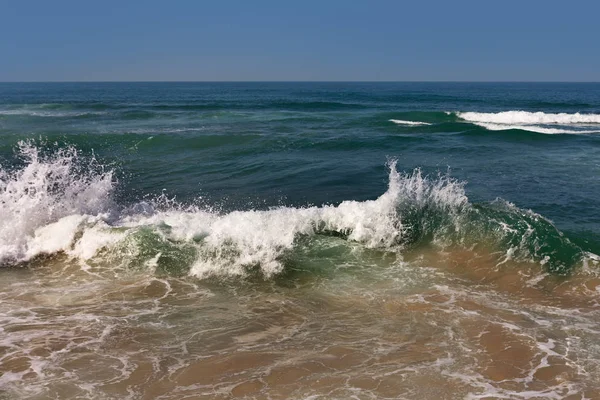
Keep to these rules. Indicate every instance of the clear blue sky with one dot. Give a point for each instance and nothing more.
(299, 40)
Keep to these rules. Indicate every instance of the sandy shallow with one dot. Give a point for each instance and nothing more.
(428, 326)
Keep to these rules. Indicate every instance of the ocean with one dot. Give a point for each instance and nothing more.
(299, 240)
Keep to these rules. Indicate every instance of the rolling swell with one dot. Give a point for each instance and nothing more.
(63, 204)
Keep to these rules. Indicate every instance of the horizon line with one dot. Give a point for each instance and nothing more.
(295, 81)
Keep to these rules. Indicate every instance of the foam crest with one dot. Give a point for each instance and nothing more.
(46, 189)
(402, 122)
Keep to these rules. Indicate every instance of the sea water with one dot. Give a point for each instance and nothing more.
(299, 240)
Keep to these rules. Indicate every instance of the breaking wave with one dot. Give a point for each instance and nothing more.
(61, 203)
(540, 122)
(524, 117)
(46, 189)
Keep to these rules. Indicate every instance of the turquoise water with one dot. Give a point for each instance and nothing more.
(297, 191)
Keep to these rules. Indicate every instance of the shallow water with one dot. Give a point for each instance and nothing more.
(376, 327)
(301, 241)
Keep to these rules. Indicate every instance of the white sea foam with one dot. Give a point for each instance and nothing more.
(402, 122)
(535, 121)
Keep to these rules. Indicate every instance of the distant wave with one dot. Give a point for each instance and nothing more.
(525, 117)
(402, 122)
(534, 128)
(549, 123)
(51, 113)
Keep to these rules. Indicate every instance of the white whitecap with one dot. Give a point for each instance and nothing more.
(402, 122)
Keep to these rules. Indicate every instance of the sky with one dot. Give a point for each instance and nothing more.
(302, 40)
